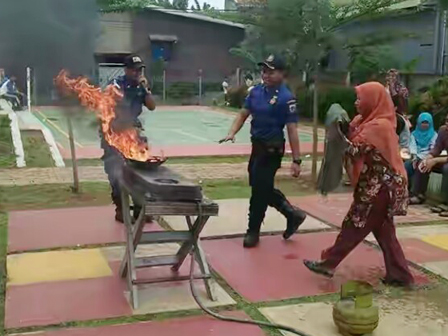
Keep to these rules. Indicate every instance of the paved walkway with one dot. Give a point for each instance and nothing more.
(209, 171)
(87, 277)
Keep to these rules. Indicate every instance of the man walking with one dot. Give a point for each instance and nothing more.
(272, 106)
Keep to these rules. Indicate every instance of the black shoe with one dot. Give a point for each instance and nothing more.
(316, 267)
(251, 240)
(119, 215)
(416, 200)
(293, 223)
(397, 283)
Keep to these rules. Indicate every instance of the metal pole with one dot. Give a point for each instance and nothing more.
(200, 87)
(164, 85)
(442, 52)
(315, 128)
(28, 88)
(73, 153)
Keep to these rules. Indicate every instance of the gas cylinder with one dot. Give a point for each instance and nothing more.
(355, 313)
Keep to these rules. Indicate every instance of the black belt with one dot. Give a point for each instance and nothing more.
(261, 147)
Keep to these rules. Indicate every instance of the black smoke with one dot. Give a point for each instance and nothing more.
(47, 35)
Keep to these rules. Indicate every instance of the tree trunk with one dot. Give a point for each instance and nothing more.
(73, 153)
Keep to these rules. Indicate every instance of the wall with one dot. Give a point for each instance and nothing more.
(201, 45)
(115, 34)
(420, 25)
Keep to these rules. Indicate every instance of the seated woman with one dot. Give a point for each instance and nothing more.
(380, 193)
(423, 140)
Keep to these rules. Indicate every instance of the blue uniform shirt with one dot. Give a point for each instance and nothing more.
(134, 98)
(271, 109)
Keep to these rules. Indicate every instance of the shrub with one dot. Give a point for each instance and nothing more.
(182, 90)
(236, 96)
(345, 96)
(434, 101)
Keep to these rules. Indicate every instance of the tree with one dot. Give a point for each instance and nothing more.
(305, 30)
(180, 4)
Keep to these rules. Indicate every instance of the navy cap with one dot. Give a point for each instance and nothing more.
(273, 62)
(134, 62)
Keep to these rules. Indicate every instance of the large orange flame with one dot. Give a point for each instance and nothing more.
(128, 141)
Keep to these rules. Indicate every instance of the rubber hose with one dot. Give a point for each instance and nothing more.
(233, 319)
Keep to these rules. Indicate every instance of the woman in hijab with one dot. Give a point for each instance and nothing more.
(423, 140)
(379, 178)
(398, 92)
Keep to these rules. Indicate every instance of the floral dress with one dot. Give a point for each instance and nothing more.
(376, 174)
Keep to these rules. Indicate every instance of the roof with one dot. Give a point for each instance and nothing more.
(195, 16)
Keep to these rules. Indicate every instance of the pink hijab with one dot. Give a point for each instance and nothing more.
(376, 126)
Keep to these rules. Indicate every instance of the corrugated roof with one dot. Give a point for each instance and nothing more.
(195, 16)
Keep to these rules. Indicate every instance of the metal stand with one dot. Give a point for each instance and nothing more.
(188, 239)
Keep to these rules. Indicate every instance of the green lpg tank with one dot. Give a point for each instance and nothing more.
(355, 313)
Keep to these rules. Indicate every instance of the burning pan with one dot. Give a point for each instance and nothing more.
(148, 164)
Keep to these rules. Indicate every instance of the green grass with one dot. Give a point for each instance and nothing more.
(37, 153)
(52, 196)
(7, 156)
(225, 189)
(184, 160)
(98, 193)
(3, 245)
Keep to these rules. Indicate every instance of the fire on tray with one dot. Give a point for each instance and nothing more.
(128, 141)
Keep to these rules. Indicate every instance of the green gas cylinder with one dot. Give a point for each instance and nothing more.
(355, 313)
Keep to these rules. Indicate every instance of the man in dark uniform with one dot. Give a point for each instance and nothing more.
(272, 106)
(136, 94)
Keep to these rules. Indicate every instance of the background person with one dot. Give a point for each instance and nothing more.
(272, 106)
(9, 92)
(423, 140)
(435, 162)
(136, 95)
(380, 184)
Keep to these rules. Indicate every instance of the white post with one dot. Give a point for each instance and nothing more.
(164, 85)
(238, 77)
(200, 86)
(28, 88)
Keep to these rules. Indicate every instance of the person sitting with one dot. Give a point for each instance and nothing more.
(423, 140)
(437, 163)
(9, 92)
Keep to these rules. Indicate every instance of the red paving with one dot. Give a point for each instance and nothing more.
(56, 302)
(191, 326)
(274, 270)
(50, 228)
(418, 251)
(91, 152)
(334, 208)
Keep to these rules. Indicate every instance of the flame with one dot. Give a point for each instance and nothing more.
(128, 141)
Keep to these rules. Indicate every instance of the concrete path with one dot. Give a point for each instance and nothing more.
(195, 172)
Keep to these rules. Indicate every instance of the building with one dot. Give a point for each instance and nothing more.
(188, 43)
(423, 37)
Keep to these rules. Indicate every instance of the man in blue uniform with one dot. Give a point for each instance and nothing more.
(136, 94)
(271, 106)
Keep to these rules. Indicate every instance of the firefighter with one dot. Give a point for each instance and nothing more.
(137, 94)
(271, 106)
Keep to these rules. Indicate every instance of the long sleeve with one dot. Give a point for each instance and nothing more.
(405, 137)
(413, 146)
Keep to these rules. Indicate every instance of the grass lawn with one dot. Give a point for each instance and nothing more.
(7, 156)
(37, 153)
(185, 160)
(98, 193)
